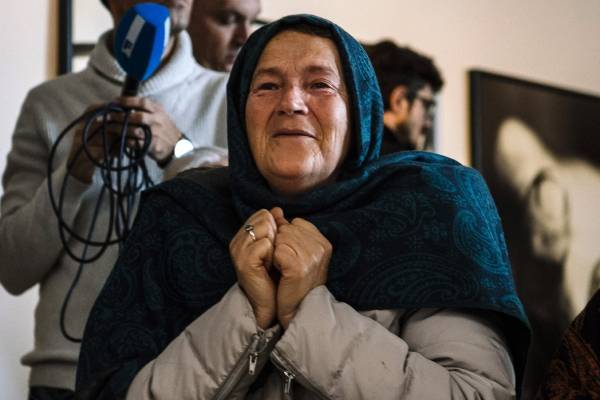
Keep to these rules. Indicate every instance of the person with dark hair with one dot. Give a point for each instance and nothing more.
(219, 28)
(309, 267)
(180, 97)
(408, 82)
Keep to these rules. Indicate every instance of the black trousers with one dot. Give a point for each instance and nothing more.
(48, 393)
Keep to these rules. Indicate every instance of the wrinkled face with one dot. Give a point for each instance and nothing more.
(297, 116)
(219, 28)
(420, 118)
(179, 11)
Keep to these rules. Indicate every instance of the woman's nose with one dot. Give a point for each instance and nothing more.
(292, 101)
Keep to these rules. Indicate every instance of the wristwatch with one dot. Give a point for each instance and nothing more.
(183, 146)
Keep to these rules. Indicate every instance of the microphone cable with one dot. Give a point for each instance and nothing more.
(124, 174)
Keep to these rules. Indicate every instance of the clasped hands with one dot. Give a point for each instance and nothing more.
(278, 267)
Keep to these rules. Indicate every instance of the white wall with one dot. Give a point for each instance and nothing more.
(27, 43)
(551, 41)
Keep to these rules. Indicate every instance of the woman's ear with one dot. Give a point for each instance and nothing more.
(399, 104)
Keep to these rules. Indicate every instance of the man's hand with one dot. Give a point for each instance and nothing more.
(81, 166)
(164, 132)
(146, 112)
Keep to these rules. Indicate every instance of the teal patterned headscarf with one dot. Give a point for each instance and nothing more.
(410, 230)
(366, 120)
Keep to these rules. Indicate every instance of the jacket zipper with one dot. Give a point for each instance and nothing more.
(252, 363)
(289, 375)
(256, 350)
(287, 384)
(239, 369)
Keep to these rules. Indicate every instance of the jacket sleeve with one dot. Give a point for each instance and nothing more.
(29, 240)
(336, 352)
(212, 357)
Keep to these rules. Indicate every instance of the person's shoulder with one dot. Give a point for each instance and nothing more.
(59, 86)
(424, 161)
(432, 175)
(207, 88)
(215, 179)
(193, 190)
(205, 76)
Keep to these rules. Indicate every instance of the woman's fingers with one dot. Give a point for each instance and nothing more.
(278, 216)
(301, 252)
(284, 255)
(252, 254)
(252, 246)
(262, 228)
(296, 249)
(302, 255)
(306, 225)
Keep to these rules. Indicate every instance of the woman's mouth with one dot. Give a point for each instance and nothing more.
(293, 133)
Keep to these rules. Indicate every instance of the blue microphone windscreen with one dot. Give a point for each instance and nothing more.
(141, 38)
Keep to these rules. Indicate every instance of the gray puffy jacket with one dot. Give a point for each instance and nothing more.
(331, 351)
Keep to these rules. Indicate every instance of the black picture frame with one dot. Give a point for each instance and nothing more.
(538, 148)
(67, 49)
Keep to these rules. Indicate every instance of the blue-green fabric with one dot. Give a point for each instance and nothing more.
(409, 230)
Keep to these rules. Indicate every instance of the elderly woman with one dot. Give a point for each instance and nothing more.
(310, 267)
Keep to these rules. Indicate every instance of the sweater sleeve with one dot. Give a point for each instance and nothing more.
(202, 157)
(336, 352)
(218, 356)
(29, 240)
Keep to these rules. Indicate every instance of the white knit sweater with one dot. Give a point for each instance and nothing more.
(30, 249)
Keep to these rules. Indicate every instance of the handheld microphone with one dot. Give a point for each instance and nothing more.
(140, 41)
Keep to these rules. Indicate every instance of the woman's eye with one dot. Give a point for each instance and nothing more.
(320, 85)
(267, 86)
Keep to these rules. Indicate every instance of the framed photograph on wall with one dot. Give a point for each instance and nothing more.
(538, 147)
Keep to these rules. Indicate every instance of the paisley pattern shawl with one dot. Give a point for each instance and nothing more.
(574, 372)
(408, 230)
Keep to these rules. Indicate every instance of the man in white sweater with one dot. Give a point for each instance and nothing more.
(181, 97)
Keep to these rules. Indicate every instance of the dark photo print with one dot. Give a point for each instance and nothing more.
(538, 148)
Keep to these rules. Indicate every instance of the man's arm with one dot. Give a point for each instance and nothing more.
(29, 240)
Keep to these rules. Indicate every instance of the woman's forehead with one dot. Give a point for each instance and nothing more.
(300, 51)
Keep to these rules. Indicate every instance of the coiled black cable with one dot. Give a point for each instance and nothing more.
(124, 174)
